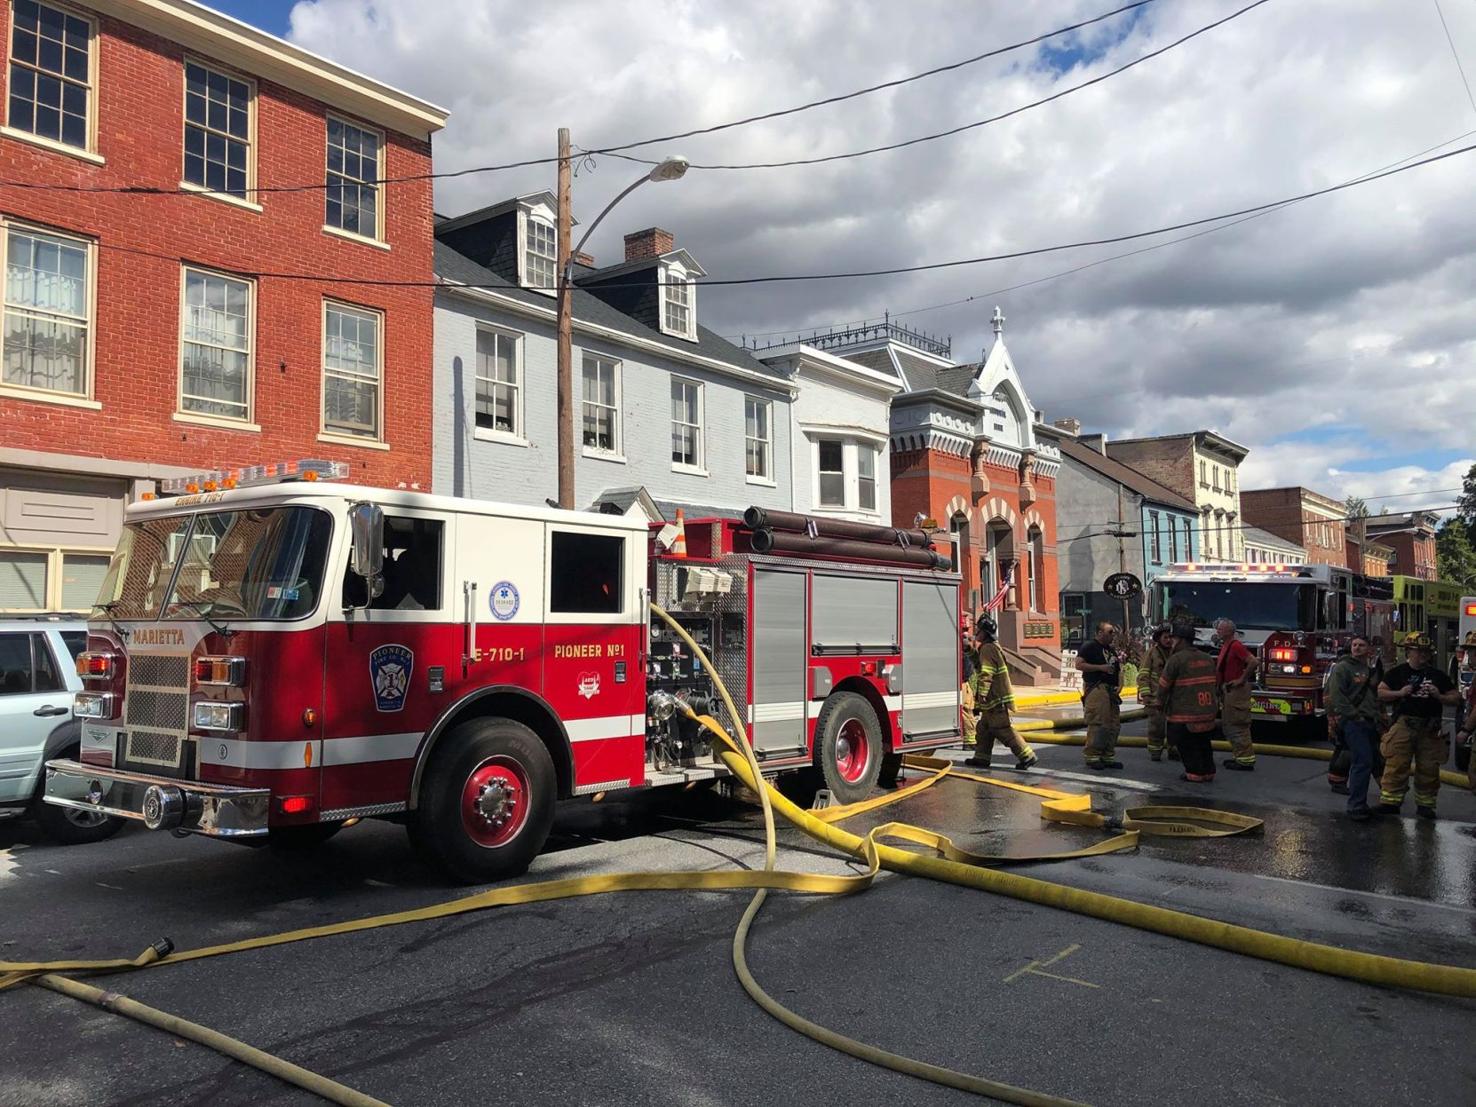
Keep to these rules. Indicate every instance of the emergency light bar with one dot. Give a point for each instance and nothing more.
(280, 472)
(1226, 567)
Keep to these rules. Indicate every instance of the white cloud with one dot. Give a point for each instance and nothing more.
(1346, 312)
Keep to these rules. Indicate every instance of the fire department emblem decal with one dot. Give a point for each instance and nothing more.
(390, 667)
(504, 600)
(589, 685)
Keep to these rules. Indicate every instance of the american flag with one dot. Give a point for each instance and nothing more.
(999, 597)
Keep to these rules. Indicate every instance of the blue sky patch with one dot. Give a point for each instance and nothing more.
(270, 15)
(1061, 55)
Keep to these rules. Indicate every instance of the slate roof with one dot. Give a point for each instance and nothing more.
(459, 269)
(879, 360)
(1115, 470)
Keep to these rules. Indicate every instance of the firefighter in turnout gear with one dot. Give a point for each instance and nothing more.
(1419, 693)
(1187, 689)
(1161, 644)
(993, 697)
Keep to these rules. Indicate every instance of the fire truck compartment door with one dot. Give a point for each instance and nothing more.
(854, 614)
(779, 652)
(930, 673)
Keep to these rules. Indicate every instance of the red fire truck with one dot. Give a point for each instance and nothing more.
(274, 654)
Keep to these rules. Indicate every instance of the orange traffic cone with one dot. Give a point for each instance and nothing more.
(679, 543)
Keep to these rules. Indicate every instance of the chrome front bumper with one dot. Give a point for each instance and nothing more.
(159, 802)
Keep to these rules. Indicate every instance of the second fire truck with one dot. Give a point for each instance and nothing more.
(275, 654)
(1294, 617)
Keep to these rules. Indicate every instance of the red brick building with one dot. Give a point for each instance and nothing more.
(969, 451)
(1411, 535)
(1314, 522)
(210, 321)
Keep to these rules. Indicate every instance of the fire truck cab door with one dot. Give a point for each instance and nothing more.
(383, 661)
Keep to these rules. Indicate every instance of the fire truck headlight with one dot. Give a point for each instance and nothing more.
(93, 705)
(218, 716)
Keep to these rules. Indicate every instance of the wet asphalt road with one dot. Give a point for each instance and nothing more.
(631, 999)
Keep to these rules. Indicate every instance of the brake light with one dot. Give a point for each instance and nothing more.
(296, 805)
(227, 671)
(1283, 653)
(96, 663)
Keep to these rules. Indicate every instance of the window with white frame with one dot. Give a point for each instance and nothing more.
(832, 465)
(686, 424)
(541, 255)
(601, 380)
(758, 440)
(353, 178)
(51, 74)
(48, 312)
(866, 477)
(215, 346)
(1157, 538)
(217, 140)
(677, 304)
(53, 579)
(1173, 540)
(499, 403)
(351, 370)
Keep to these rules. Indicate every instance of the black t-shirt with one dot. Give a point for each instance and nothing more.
(1094, 653)
(1419, 707)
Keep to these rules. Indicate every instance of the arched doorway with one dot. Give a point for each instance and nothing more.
(1035, 543)
(999, 555)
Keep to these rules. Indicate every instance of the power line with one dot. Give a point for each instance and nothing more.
(967, 126)
(872, 88)
(1461, 69)
(150, 190)
(1099, 261)
(860, 273)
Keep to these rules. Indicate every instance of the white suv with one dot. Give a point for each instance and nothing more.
(38, 676)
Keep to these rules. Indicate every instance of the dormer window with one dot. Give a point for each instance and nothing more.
(540, 255)
(678, 307)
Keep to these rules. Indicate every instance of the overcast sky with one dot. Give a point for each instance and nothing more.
(1334, 338)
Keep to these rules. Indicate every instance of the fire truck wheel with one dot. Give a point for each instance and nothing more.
(292, 839)
(848, 747)
(486, 801)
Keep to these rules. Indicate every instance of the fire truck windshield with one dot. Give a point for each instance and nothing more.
(264, 563)
(1258, 605)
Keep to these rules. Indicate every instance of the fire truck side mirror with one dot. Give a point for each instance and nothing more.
(366, 525)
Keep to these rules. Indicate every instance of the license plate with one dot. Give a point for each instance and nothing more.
(1268, 706)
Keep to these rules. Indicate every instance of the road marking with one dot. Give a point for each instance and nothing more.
(1034, 969)
(1102, 778)
(114, 887)
(1407, 901)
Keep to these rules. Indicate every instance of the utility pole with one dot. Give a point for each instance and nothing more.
(566, 331)
(1122, 562)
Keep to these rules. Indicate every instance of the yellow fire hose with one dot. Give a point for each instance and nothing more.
(1308, 753)
(952, 865)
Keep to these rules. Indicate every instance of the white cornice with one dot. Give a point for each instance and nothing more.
(837, 368)
(549, 315)
(262, 55)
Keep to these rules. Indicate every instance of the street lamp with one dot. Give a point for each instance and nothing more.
(669, 169)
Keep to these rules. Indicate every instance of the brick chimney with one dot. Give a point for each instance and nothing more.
(649, 243)
(1070, 426)
(581, 258)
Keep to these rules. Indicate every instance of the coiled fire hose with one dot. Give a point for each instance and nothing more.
(953, 866)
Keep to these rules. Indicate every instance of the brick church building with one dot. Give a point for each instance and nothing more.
(969, 451)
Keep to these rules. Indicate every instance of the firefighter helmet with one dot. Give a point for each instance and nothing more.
(1159, 631)
(1415, 640)
(1183, 630)
(986, 626)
